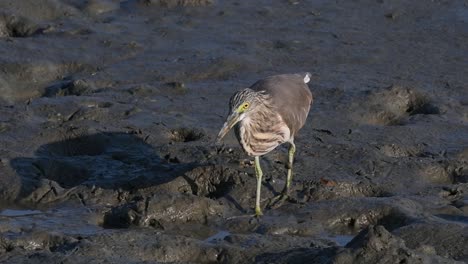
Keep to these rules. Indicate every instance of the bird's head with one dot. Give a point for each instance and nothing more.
(241, 104)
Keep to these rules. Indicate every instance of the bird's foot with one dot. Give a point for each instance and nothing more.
(258, 212)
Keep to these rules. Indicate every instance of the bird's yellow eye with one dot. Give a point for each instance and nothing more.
(243, 107)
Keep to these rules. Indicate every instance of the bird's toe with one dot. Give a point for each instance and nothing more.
(278, 200)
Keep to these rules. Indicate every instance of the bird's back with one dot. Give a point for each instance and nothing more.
(291, 97)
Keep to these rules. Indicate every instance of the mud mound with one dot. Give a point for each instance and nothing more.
(445, 171)
(17, 27)
(37, 10)
(23, 80)
(394, 105)
(373, 245)
(420, 236)
(377, 245)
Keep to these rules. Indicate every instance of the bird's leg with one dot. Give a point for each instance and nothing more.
(259, 174)
(279, 199)
(292, 150)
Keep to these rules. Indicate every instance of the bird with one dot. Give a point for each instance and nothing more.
(267, 114)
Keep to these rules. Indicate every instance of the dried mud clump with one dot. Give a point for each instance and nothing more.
(394, 105)
(68, 87)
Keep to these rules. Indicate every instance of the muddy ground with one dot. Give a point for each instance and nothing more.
(109, 112)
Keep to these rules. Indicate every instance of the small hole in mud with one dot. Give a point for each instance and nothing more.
(420, 106)
(393, 222)
(155, 224)
(221, 189)
(9, 248)
(460, 175)
(186, 134)
(171, 159)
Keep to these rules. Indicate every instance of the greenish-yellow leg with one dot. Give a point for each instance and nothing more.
(259, 174)
(278, 200)
(292, 150)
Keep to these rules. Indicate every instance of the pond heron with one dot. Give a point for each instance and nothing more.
(266, 115)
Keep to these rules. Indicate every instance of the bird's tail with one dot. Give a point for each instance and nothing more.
(307, 76)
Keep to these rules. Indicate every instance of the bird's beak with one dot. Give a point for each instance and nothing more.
(230, 122)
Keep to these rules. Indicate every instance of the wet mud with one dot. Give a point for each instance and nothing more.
(109, 111)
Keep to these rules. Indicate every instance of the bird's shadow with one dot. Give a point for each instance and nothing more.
(111, 160)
